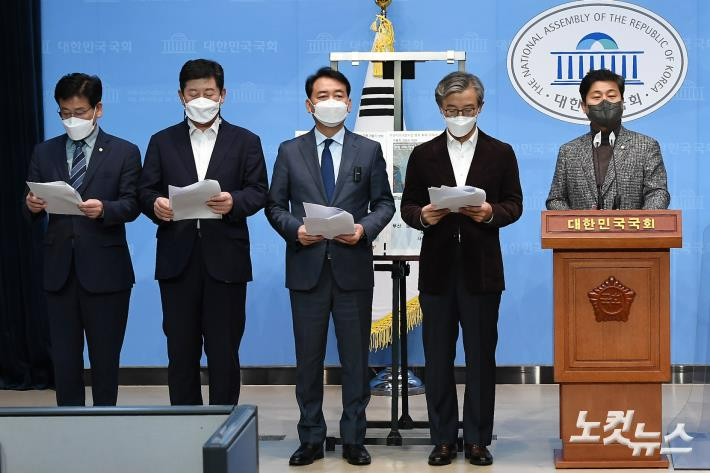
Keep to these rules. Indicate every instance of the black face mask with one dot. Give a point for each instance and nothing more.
(606, 114)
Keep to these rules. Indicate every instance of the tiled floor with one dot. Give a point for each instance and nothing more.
(526, 426)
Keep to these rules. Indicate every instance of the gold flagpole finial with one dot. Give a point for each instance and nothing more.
(383, 4)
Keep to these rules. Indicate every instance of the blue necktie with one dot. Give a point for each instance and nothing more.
(78, 165)
(327, 171)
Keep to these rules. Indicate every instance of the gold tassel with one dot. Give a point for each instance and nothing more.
(384, 40)
(381, 330)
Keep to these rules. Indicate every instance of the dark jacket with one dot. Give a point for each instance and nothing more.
(493, 169)
(237, 163)
(100, 252)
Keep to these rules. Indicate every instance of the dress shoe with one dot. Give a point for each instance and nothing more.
(477, 454)
(356, 454)
(442, 454)
(306, 454)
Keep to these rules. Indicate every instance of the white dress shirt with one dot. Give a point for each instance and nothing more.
(336, 148)
(202, 146)
(461, 155)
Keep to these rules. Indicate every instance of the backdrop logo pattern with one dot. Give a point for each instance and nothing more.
(179, 43)
(551, 53)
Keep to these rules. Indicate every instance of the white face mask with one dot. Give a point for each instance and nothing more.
(330, 112)
(460, 126)
(202, 110)
(79, 128)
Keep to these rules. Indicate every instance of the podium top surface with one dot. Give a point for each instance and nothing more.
(611, 229)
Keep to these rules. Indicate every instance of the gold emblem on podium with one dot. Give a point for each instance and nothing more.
(611, 301)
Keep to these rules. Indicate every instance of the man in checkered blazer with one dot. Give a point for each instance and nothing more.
(610, 167)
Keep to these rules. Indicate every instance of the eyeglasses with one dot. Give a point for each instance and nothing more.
(64, 114)
(455, 112)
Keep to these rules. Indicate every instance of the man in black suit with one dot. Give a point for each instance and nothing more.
(330, 276)
(88, 274)
(202, 266)
(460, 265)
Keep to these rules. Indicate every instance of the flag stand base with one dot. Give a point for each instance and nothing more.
(381, 384)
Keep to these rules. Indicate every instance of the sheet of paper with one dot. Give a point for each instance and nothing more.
(61, 198)
(191, 201)
(453, 198)
(327, 221)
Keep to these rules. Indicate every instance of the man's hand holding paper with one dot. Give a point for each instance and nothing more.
(221, 203)
(431, 215)
(55, 197)
(34, 203)
(349, 239)
(479, 214)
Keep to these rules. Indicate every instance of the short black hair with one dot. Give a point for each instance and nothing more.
(597, 75)
(326, 72)
(201, 69)
(78, 84)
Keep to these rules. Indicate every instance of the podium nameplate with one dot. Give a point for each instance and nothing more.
(582, 229)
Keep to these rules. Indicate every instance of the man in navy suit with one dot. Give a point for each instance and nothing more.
(88, 273)
(330, 276)
(202, 266)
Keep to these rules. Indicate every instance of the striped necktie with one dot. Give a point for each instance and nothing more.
(78, 165)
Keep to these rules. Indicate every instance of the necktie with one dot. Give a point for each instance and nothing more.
(78, 165)
(327, 171)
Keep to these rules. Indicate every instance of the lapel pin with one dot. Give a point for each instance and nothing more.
(101, 149)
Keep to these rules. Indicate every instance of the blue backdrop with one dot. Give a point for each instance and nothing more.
(268, 48)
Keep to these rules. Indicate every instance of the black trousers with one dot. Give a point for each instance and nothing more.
(478, 316)
(74, 312)
(197, 308)
(352, 317)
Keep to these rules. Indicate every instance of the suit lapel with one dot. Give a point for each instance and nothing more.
(184, 149)
(59, 158)
(347, 161)
(482, 160)
(99, 155)
(309, 154)
(587, 162)
(225, 136)
(442, 161)
(621, 150)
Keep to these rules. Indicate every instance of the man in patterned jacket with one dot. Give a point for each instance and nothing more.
(610, 167)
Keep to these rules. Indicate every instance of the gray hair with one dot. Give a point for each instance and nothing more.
(458, 82)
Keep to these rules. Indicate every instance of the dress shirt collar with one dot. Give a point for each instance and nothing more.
(473, 139)
(338, 137)
(214, 127)
(89, 141)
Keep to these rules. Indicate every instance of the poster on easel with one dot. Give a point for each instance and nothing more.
(398, 239)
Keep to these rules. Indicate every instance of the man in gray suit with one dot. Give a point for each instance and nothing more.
(330, 276)
(610, 167)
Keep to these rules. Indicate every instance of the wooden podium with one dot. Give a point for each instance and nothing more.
(612, 330)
